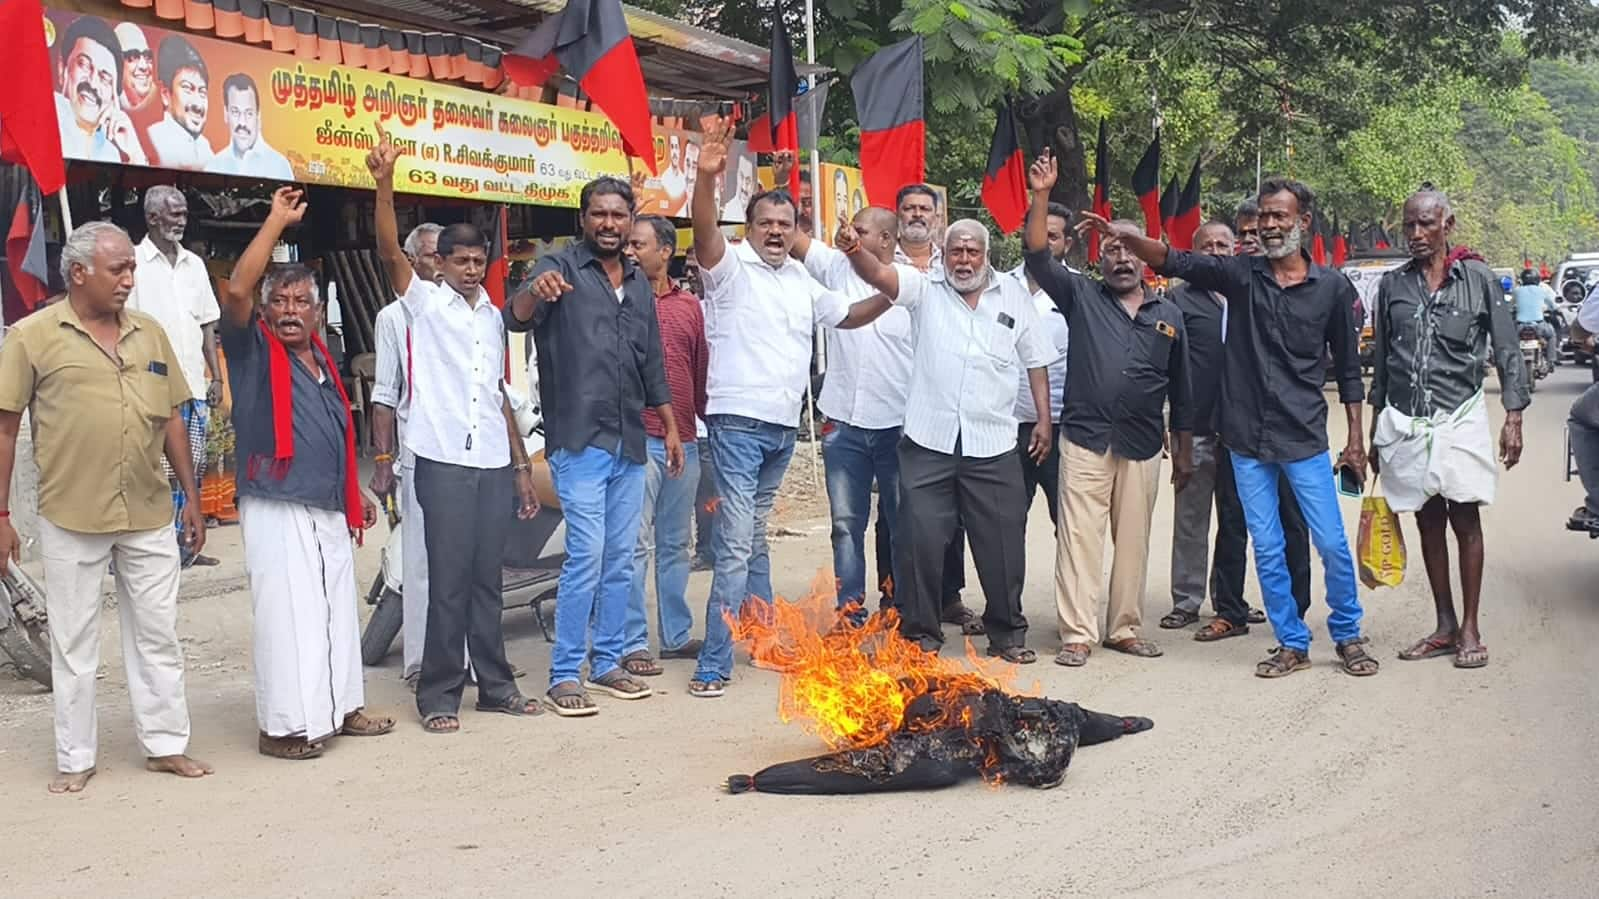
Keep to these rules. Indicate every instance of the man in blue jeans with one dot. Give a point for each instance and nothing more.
(1283, 311)
(668, 501)
(592, 313)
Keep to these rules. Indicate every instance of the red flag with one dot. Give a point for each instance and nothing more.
(888, 104)
(1005, 181)
(1102, 207)
(1168, 209)
(1146, 185)
(29, 134)
(1189, 215)
(1340, 246)
(25, 255)
(590, 39)
(782, 83)
(1318, 244)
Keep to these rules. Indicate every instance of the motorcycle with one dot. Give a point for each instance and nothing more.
(530, 567)
(24, 629)
(1532, 353)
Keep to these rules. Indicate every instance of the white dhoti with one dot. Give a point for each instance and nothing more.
(301, 563)
(1450, 454)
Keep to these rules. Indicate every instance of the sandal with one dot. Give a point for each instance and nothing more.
(1135, 646)
(1256, 616)
(706, 689)
(359, 724)
(1471, 657)
(295, 749)
(1429, 648)
(1355, 660)
(618, 684)
(1073, 655)
(1178, 618)
(568, 700)
(1015, 655)
(689, 650)
(1282, 662)
(1219, 629)
(517, 706)
(441, 724)
(957, 612)
(641, 664)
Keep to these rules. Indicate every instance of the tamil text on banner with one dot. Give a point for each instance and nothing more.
(677, 156)
(138, 95)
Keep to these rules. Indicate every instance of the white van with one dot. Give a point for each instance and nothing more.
(1574, 271)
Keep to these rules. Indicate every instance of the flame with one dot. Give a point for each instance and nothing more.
(849, 683)
(712, 504)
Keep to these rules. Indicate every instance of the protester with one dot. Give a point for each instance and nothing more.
(1282, 310)
(92, 123)
(173, 287)
(391, 407)
(179, 139)
(1534, 299)
(668, 508)
(600, 365)
(460, 432)
(863, 396)
(761, 308)
(246, 152)
(1246, 222)
(1045, 473)
(1129, 361)
(299, 501)
(1435, 318)
(1583, 423)
(102, 388)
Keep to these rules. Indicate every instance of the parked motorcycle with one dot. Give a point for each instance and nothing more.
(24, 630)
(530, 568)
(1539, 365)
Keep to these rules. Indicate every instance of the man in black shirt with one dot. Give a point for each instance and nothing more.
(592, 313)
(1129, 355)
(1282, 311)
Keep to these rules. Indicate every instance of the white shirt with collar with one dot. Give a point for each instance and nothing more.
(963, 383)
(389, 385)
(759, 322)
(176, 148)
(260, 161)
(1057, 334)
(181, 298)
(935, 263)
(457, 364)
(868, 369)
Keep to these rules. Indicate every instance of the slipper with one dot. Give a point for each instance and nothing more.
(641, 664)
(517, 706)
(1476, 657)
(1429, 648)
(359, 724)
(294, 749)
(1016, 655)
(615, 684)
(706, 689)
(1354, 660)
(1177, 619)
(570, 690)
(1219, 629)
(689, 650)
(431, 720)
(957, 612)
(1135, 646)
(1073, 655)
(1256, 616)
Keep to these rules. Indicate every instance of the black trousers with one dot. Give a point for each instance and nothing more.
(1231, 557)
(468, 513)
(954, 561)
(937, 490)
(1043, 475)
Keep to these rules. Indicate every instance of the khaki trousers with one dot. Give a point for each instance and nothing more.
(1095, 490)
(147, 602)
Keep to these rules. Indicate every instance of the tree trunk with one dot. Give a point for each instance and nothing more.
(1053, 118)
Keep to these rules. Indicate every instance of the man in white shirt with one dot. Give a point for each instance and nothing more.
(247, 152)
(179, 139)
(863, 397)
(390, 407)
(459, 432)
(1045, 474)
(970, 326)
(172, 286)
(92, 123)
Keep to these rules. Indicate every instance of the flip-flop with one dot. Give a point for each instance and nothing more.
(1135, 646)
(565, 690)
(1429, 648)
(1219, 629)
(706, 689)
(1015, 655)
(609, 685)
(641, 664)
(518, 706)
(1177, 619)
(1471, 658)
(1256, 616)
(427, 724)
(689, 650)
(1073, 655)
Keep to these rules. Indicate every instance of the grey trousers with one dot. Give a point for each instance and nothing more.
(1190, 544)
(1584, 425)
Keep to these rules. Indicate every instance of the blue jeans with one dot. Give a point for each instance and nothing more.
(750, 457)
(601, 494)
(1312, 483)
(667, 522)
(854, 458)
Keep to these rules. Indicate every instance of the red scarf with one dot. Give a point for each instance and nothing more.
(1459, 253)
(280, 378)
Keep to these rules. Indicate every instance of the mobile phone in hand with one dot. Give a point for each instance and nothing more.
(1350, 483)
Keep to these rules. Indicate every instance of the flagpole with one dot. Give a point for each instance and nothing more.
(816, 226)
(66, 210)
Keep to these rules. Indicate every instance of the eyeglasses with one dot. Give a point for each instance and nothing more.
(136, 55)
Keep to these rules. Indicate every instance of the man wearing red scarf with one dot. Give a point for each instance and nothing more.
(299, 501)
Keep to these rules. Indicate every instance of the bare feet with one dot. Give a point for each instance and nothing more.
(181, 765)
(65, 782)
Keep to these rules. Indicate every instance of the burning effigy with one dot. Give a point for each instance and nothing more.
(897, 717)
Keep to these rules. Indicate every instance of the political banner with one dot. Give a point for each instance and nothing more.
(677, 156)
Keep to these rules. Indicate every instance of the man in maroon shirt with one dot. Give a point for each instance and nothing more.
(668, 501)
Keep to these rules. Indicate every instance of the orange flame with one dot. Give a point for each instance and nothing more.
(849, 684)
(712, 504)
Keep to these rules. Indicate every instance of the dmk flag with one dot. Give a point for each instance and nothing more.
(888, 104)
(1005, 180)
(1146, 185)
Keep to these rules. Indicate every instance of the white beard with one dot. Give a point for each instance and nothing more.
(1292, 241)
(967, 285)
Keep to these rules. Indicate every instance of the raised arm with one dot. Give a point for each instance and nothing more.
(1049, 275)
(380, 162)
(1153, 252)
(239, 302)
(709, 244)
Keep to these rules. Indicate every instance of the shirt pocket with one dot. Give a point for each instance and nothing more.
(1001, 345)
(1152, 348)
(150, 394)
(1304, 332)
(1454, 326)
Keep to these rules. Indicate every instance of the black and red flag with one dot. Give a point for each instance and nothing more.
(1146, 186)
(29, 133)
(589, 39)
(1005, 181)
(1340, 246)
(1189, 215)
(1101, 207)
(888, 105)
(1168, 209)
(25, 251)
(782, 82)
(1318, 243)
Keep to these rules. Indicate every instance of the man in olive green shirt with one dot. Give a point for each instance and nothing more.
(101, 385)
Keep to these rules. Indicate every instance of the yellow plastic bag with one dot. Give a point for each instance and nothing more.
(1381, 549)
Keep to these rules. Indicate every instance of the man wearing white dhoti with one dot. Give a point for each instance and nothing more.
(299, 501)
(1434, 319)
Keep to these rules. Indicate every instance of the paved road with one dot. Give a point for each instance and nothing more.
(1423, 781)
